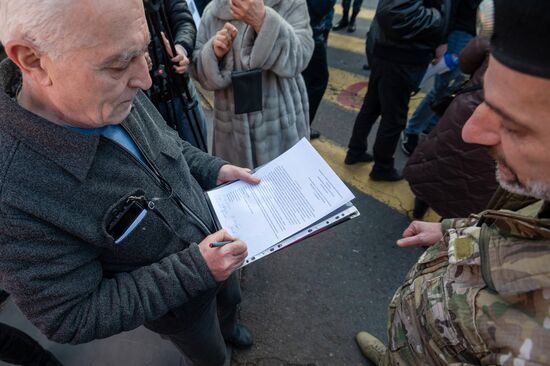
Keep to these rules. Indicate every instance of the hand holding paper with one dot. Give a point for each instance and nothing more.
(297, 191)
(230, 173)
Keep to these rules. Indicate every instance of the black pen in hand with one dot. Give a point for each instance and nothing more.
(219, 244)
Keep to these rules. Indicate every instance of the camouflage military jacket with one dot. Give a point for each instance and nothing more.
(481, 296)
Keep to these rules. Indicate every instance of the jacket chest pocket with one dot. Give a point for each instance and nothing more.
(135, 232)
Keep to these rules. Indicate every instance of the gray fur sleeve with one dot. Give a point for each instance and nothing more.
(284, 44)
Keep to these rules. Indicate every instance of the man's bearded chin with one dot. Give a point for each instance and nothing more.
(533, 189)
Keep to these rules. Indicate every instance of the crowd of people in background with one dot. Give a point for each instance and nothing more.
(479, 294)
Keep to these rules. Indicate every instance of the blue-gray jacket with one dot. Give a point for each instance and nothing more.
(60, 190)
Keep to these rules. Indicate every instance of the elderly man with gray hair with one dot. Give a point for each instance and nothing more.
(101, 204)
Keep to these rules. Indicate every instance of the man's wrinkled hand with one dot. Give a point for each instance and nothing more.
(180, 61)
(223, 40)
(230, 173)
(223, 261)
(421, 233)
(251, 12)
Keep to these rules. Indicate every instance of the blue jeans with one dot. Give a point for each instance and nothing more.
(424, 118)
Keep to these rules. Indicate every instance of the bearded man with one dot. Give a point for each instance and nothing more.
(480, 295)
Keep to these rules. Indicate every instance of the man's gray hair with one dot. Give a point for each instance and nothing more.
(40, 22)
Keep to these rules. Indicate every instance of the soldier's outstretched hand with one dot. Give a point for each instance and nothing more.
(421, 233)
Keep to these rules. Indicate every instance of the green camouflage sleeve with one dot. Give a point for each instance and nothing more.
(458, 223)
(511, 327)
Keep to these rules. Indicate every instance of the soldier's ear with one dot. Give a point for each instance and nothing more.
(29, 60)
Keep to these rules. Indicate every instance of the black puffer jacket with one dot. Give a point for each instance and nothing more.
(408, 31)
(182, 27)
(455, 178)
(465, 16)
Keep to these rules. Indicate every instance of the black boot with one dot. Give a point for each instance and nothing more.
(241, 338)
(385, 174)
(408, 143)
(351, 27)
(343, 23)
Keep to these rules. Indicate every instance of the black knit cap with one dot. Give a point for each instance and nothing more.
(521, 38)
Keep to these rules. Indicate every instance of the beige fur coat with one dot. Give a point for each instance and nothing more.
(282, 49)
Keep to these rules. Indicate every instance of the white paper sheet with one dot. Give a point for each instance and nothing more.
(348, 212)
(298, 188)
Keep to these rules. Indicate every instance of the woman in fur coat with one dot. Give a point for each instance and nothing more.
(273, 36)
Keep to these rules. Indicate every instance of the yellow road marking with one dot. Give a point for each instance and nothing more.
(367, 14)
(347, 43)
(396, 195)
(339, 80)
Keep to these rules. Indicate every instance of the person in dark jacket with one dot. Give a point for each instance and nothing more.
(449, 175)
(201, 4)
(463, 29)
(346, 21)
(170, 105)
(104, 225)
(316, 74)
(402, 41)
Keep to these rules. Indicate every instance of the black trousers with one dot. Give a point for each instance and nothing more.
(206, 321)
(20, 349)
(316, 78)
(356, 5)
(390, 88)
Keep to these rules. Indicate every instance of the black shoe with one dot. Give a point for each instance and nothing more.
(420, 208)
(343, 23)
(408, 143)
(385, 175)
(241, 337)
(361, 158)
(314, 134)
(351, 27)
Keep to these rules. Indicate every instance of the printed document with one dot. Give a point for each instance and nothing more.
(297, 189)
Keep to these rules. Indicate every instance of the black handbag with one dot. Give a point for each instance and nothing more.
(247, 91)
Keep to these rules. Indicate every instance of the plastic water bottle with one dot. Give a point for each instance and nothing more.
(448, 62)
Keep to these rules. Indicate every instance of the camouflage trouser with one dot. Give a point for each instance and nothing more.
(430, 316)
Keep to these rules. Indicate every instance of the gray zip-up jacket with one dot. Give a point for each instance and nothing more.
(59, 193)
